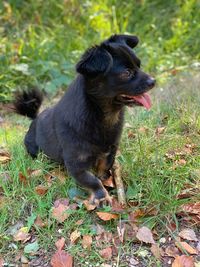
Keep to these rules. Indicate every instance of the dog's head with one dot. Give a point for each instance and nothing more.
(112, 71)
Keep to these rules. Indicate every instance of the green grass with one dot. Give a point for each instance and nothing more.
(41, 41)
(151, 179)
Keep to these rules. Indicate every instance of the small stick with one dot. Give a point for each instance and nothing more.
(116, 171)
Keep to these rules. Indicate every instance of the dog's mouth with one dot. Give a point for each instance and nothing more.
(139, 100)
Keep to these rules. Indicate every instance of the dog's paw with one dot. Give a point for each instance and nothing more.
(100, 198)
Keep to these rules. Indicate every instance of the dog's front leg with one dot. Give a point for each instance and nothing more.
(86, 179)
(105, 162)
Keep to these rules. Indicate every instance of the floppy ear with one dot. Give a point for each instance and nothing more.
(94, 61)
(130, 40)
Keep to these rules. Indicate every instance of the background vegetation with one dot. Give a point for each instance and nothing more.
(42, 40)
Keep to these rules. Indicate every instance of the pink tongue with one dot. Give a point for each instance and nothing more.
(143, 99)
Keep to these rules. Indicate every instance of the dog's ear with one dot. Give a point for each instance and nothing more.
(130, 40)
(95, 61)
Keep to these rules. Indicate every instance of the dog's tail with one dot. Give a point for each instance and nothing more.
(28, 102)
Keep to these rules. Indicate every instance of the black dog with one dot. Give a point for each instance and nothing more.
(83, 129)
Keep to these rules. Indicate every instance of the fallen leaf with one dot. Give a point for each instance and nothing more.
(143, 129)
(60, 243)
(183, 246)
(144, 234)
(22, 178)
(59, 174)
(156, 251)
(31, 248)
(23, 259)
(74, 236)
(116, 206)
(183, 261)
(192, 208)
(133, 262)
(160, 130)
(4, 156)
(188, 234)
(135, 215)
(59, 211)
(1, 262)
(88, 205)
(87, 242)
(79, 222)
(98, 229)
(35, 173)
(171, 251)
(181, 162)
(41, 190)
(131, 134)
(39, 222)
(62, 259)
(109, 182)
(106, 216)
(106, 253)
(22, 235)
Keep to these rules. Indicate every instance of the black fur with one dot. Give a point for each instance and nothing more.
(83, 129)
(27, 103)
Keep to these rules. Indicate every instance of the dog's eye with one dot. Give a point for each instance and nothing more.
(127, 74)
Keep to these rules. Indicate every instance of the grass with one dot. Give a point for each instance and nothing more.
(41, 42)
(152, 180)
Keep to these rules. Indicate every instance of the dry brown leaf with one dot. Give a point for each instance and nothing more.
(35, 173)
(106, 253)
(156, 251)
(160, 130)
(79, 222)
(109, 182)
(191, 208)
(183, 246)
(88, 205)
(74, 236)
(181, 162)
(143, 129)
(41, 190)
(59, 174)
(131, 134)
(4, 156)
(183, 261)
(22, 178)
(1, 262)
(135, 215)
(144, 234)
(188, 234)
(171, 251)
(59, 211)
(22, 235)
(87, 242)
(39, 222)
(62, 259)
(116, 206)
(106, 216)
(60, 243)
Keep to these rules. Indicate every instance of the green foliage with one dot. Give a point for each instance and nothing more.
(42, 40)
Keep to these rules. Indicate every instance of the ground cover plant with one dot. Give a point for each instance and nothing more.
(45, 219)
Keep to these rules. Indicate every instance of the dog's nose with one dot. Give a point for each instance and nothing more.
(151, 82)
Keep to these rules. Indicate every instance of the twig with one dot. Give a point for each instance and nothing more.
(116, 170)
